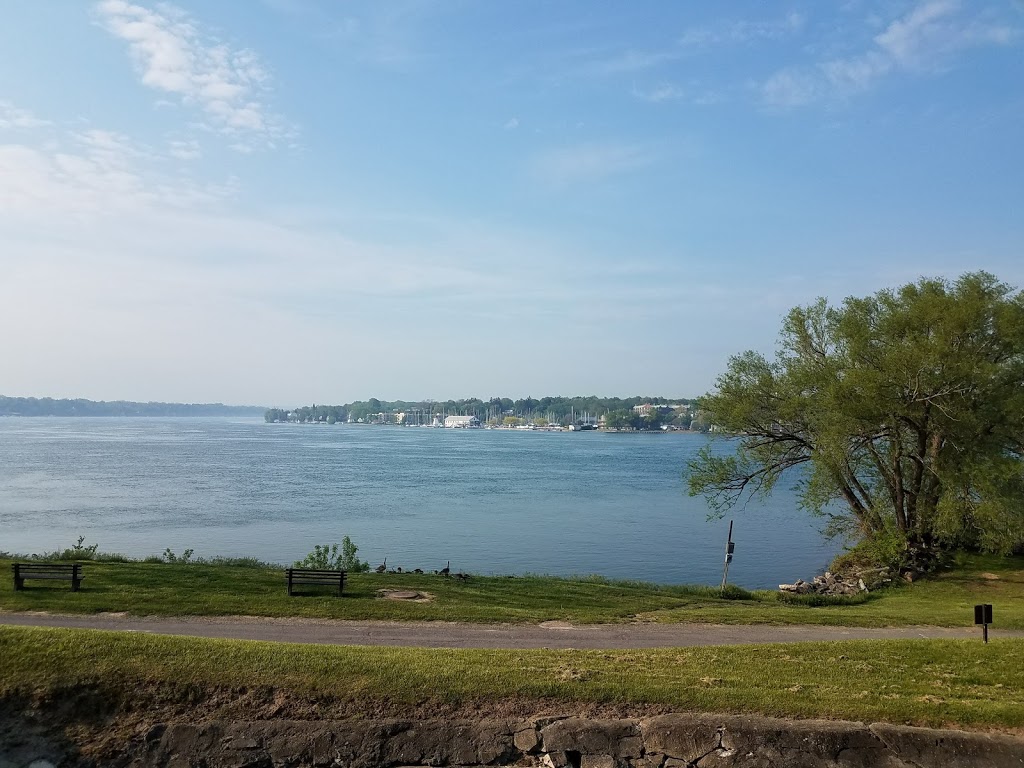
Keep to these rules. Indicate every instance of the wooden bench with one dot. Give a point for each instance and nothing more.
(313, 576)
(66, 572)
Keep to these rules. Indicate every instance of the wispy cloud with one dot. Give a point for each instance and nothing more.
(790, 88)
(15, 117)
(84, 173)
(185, 149)
(590, 162)
(174, 56)
(626, 62)
(733, 32)
(924, 40)
(511, 124)
(663, 91)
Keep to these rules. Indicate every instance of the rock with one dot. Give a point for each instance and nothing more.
(555, 760)
(665, 741)
(526, 740)
(950, 749)
(618, 738)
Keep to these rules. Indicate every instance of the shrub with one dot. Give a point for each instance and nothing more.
(328, 557)
(182, 559)
(814, 600)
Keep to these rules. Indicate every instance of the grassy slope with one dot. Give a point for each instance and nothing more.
(927, 682)
(165, 589)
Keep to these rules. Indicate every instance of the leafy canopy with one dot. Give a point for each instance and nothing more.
(905, 411)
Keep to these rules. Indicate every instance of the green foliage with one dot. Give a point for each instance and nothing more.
(328, 557)
(80, 551)
(735, 592)
(900, 417)
(815, 600)
(885, 549)
(183, 559)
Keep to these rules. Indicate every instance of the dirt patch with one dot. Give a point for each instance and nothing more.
(989, 576)
(556, 625)
(405, 595)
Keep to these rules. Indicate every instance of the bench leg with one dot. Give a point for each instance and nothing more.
(19, 584)
(75, 584)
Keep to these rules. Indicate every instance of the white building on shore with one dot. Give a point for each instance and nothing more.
(461, 422)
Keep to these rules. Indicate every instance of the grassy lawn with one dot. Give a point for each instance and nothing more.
(198, 589)
(925, 682)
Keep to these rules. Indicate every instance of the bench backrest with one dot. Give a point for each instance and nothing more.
(47, 567)
(314, 572)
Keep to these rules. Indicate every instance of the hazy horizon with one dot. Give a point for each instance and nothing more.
(295, 201)
(327, 401)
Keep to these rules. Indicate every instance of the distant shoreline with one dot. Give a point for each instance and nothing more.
(30, 407)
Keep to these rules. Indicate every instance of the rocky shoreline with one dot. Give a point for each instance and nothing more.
(663, 741)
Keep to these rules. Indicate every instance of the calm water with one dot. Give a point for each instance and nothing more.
(489, 501)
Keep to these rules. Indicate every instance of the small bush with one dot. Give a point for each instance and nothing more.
(237, 562)
(734, 592)
(182, 559)
(327, 557)
(815, 601)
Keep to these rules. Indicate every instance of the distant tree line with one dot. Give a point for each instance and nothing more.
(497, 410)
(46, 406)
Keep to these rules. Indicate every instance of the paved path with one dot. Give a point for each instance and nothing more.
(452, 635)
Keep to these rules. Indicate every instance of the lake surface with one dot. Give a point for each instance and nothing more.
(490, 501)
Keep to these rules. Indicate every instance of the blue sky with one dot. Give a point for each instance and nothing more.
(289, 201)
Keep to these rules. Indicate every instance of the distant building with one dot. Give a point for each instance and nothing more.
(461, 422)
(643, 409)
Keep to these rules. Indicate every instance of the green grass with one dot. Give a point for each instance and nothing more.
(224, 589)
(925, 682)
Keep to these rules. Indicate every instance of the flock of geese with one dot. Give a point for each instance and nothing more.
(446, 571)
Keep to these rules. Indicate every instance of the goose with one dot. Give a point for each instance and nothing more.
(383, 566)
(462, 576)
(418, 570)
(446, 570)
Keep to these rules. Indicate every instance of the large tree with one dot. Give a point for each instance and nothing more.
(899, 415)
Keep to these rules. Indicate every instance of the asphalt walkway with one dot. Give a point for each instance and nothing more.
(453, 635)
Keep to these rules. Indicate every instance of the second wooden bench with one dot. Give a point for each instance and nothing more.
(318, 577)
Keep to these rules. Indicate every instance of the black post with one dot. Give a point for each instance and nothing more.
(728, 557)
(983, 617)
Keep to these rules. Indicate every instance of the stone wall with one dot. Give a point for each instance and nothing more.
(666, 741)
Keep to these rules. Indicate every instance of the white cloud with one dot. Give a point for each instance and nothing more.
(924, 40)
(659, 93)
(738, 32)
(629, 61)
(589, 162)
(185, 149)
(94, 172)
(511, 124)
(175, 57)
(789, 88)
(15, 117)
